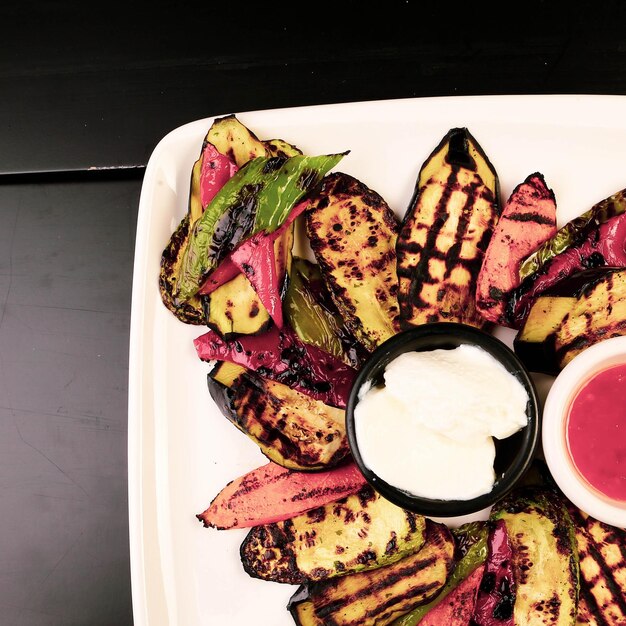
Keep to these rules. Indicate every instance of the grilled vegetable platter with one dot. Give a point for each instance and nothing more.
(287, 269)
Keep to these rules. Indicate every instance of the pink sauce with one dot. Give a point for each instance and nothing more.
(596, 431)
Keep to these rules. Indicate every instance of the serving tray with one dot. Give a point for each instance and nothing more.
(181, 451)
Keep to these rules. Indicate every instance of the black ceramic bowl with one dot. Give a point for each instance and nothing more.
(513, 454)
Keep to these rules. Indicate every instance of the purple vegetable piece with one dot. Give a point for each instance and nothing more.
(280, 355)
(496, 595)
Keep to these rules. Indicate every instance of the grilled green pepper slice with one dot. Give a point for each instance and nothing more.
(257, 198)
(314, 317)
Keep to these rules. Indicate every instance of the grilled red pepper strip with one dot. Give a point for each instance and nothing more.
(215, 170)
(256, 259)
(272, 493)
(496, 595)
(282, 356)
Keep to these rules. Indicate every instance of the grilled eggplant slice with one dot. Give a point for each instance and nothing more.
(377, 597)
(558, 327)
(352, 232)
(445, 233)
(291, 428)
(240, 144)
(534, 342)
(460, 147)
(360, 532)
(226, 374)
(545, 556)
(191, 311)
(281, 148)
(602, 554)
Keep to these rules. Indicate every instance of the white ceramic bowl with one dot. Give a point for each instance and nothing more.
(568, 382)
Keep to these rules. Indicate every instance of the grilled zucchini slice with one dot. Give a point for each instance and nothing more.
(445, 233)
(534, 342)
(599, 313)
(602, 554)
(235, 308)
(545, 556)
(235, 140)
(377, 597)
(240, 144)
(360, 532)
(352, 232)
(291, 428)
(558, 327)
(471, 552)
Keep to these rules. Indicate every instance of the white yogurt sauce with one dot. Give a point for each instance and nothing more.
(429, 430)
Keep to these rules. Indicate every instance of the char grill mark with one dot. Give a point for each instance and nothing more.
(440, 248)
(602, 595)
(536, 218)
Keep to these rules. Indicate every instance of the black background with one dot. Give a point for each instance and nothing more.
(97, 85)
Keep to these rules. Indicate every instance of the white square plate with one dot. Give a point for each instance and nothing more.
(181, 450)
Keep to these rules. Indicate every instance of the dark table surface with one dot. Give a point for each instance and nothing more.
(87, 91)
(93, 88)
